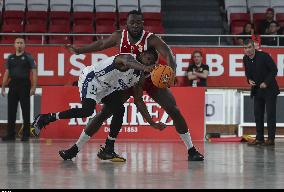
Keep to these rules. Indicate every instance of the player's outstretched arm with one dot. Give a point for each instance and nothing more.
(98, 45)
(130, 62)
(138, 93)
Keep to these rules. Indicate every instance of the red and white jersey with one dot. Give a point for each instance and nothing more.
(140, 46)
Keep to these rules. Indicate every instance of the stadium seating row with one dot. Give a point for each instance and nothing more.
(252, 6)
(82, 5)
(58, 21)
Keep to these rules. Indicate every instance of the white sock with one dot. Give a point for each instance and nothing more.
(82, 140)
(186, 139)
(57, 115)
(111, 138)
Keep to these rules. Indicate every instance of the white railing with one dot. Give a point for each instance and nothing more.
(218, 37)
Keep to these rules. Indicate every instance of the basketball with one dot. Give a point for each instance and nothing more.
(162, 76)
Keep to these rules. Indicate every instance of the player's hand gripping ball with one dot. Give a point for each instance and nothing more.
(162, 76)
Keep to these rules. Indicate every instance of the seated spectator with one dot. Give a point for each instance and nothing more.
(197, 72)
(247, 30)
(274, 29)
(264, 25)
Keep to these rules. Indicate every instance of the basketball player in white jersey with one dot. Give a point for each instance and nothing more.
(105, 83)
(136, 40)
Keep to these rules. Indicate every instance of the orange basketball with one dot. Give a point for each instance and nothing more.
(162, 76)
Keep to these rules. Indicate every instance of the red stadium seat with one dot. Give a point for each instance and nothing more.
(59, 23)
(59, 29)
(104, 29)
(83, 29)
(82, 40)
(10, 28)
(238, 24)
(31, 40)
(35, 28)
(83, 18)
(60, 18)
(236, 29)
(152, 19)
(257, 18)
(280, 17)
(36, 17)
(122, 19)
(59, 39)
(158, 29)
(281, 23)
(245, 17)
(105, 22)
(105, 18)
(13, 17)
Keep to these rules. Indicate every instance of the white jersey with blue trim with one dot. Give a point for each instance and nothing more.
(99, 80)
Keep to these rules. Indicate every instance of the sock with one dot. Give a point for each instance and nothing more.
(187, 140)
(110, 143)
(57, 115)
(82, 140)
(53, 117)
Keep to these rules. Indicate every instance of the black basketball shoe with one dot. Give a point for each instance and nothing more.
(41, 121)
(69, 154)
(108, 155)
(194, 155)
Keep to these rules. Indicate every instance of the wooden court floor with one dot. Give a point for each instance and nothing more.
(149, 165)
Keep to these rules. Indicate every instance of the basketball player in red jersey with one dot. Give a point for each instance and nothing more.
(134, 40)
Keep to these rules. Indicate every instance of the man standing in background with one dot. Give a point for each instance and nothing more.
(197, 72)
(18, 68)
(261, 71)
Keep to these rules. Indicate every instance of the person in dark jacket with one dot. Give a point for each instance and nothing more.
(261, 71)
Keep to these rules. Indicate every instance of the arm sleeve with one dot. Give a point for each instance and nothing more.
(190, 68)
(206, 67)
(31, 61)
(272, 69)
(6, 64)
(247, 73)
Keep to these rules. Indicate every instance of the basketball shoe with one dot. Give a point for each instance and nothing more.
(194, 155)
(109, 155)
(70, 153)
(41, 121)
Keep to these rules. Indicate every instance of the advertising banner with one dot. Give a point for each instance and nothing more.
(56, 66)
(189, 100)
